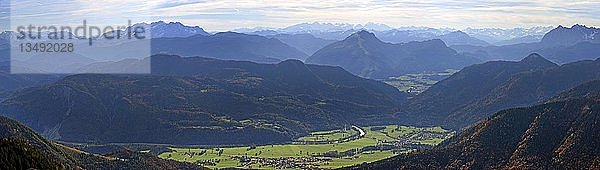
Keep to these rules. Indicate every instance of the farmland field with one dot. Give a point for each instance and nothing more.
(329, 135)
(334, 149)
(417, 83)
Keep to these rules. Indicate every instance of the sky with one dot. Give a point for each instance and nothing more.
(222, 15)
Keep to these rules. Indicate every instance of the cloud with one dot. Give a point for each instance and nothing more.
(229, 14)
(176, 3)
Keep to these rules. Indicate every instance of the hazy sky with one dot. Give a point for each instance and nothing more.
(220, 15)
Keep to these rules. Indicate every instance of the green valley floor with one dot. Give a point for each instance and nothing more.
(325, 149)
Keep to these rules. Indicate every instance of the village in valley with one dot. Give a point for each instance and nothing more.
(349, 146)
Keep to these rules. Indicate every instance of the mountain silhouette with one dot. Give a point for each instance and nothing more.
(163, 29)
(461, 38)
(306, 43)
(564, 36)
(365, 55)
(228, 46)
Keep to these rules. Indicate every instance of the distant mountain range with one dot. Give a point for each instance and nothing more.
(391, 35)
(163, 29)
(559, 134)
(563, 36)
(331, 31)
(159, 29)
(307, 43)
(521, 40)
(461, 38)
(318, 27)
(498, 36)
(364, 54)
(480, 90)
(408, 35)
(203, 101)
(561, 45)
(22, 148)
(513, 43)
(176, 39)
(302, 40)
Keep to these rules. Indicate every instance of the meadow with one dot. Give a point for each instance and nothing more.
(333, 135)
(417, 83)
(379, 142)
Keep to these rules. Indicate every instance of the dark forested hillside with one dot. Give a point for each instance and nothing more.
(21, 148)
(555, 135)
(9, 83)
(439, 103)
(591, 88)
(526, 89)
(204, 101)
(365, 55)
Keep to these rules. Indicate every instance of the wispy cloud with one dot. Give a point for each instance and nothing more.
(177, 3)
(229, 14)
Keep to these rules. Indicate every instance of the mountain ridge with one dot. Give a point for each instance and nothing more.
(228, 46)
(570, 36)
(306, 43)
(162, 29)
(554, 135)
(22, 148)
(561, 45)
(467, 86)
(363, 54)
(461, 38)
(281, 101)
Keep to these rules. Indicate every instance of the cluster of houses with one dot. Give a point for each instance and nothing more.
(283, 163)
